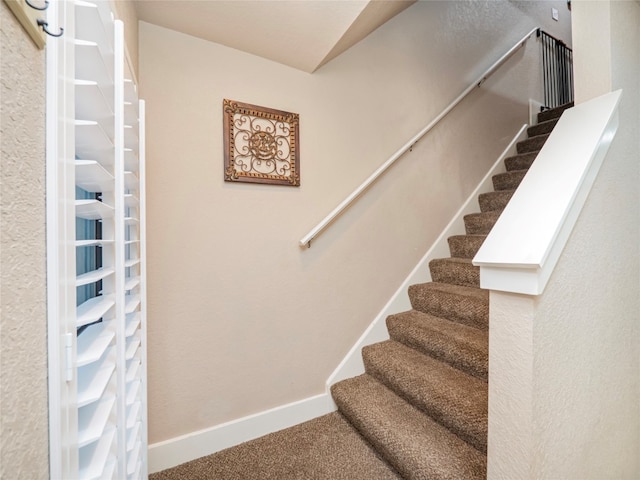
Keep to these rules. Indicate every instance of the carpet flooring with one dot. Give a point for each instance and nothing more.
(420, 409)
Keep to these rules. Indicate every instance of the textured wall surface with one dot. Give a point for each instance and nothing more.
(240, 318)
(23, 322)
(587, 330)
(564, 379)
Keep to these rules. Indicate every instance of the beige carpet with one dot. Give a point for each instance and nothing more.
(327, 447)
(420, 410)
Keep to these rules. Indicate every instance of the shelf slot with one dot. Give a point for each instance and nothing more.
(93, 380)
(131, 283)
(133, 322)
(93, 343)
(133, 390)
(92, 104)
(131, 181)
(133, 414)
(133, 436)
(93, 309)
(132, 348)
(93, 177)
(94, 276)
(93, 419)
(133, 369)
(93, 210)
(93, 458)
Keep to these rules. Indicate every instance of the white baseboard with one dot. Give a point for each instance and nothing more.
(352, 364)
(167, 454)
(535, 107)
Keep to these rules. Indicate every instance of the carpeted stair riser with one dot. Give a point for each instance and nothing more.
(553, 113)
(508, 180)
(451, 397)
(461, 346)
(465, 246)
(494, 201)
(531, 144)
(456, 271)
(542, 128)
(480, 223)
(520, 162)
(415, 445)
(465, 305)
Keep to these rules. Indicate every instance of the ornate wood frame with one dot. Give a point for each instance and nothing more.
(261, 145)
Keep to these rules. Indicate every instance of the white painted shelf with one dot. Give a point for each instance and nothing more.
(133, 322)
(131, 181)
(94, 276)
(131, 137)
(93, 458)
(92, 104)
(133, 459)
(132, 347)
(93, 209)
(131, 262)
(93, 420)
(133, 369)
(93, 242)
(131, 201)
(133, 414)
(93, 177)
(93, 343)
(131, 283)
(93, 309)
(133, 434)
(131, 163)
(90, 63)
(93, 380)
(93, 142)
(133, 392)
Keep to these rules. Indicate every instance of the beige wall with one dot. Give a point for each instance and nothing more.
(24, 447)
(564, 379)
(125, 10)
(240, 318)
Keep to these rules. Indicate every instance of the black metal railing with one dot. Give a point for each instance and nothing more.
(557, 68)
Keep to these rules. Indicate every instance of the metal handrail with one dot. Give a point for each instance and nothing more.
(306, 240)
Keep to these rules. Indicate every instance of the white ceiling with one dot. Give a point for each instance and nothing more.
(304, 34)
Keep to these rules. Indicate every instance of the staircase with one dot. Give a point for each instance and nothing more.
(420, 408)
(422, 403)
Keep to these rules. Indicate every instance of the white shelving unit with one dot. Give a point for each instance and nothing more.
(96, 249)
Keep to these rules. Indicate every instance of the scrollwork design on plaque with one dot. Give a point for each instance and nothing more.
(261, 144)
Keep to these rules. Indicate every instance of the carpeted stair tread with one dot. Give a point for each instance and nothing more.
(542, 127)
(553, 113)
(465, 246)
(508, 180)
(480, 223)
(414, 444)
(463, 347)
(466, 305)
(456, 271)
(327, 447)
(449, 396)
(532, 144)
(494, 201)
(520, 162)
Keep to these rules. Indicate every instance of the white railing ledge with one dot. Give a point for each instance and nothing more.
(523, 247)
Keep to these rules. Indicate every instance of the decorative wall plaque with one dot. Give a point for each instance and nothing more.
(261, 145)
